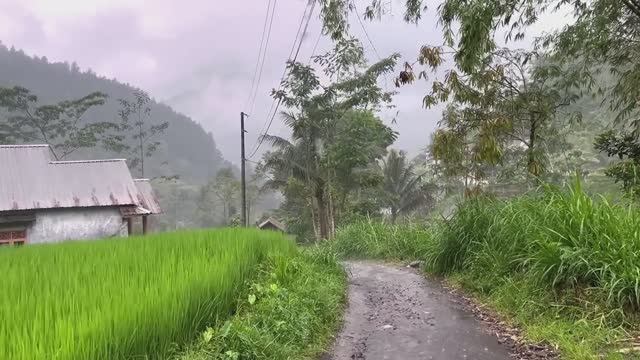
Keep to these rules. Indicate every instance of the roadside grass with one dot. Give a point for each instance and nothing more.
(563, 266)
(377, 240)
(124, 298)
(290, 310)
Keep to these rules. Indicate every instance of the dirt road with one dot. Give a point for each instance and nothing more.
(395, 313)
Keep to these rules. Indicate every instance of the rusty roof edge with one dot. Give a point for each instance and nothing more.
(63, 162)
(23, 146)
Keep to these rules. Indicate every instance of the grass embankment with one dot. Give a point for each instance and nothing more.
(563, 266)
(290, 311)
(123, 299)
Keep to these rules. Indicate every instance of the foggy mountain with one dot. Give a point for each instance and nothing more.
(186, 148)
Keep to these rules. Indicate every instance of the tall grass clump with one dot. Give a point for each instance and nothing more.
(561, 239)
(373, 239)
(125, 298)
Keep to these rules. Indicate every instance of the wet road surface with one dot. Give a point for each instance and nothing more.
(395, 313)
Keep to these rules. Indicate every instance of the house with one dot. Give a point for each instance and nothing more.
(45, 200)
(272, 224)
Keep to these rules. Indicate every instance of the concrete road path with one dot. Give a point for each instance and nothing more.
(395, 313)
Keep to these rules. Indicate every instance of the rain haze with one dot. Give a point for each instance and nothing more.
(199, 56)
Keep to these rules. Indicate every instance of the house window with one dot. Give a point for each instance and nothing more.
(13, 237)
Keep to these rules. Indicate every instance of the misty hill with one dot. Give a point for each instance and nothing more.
(186, 148)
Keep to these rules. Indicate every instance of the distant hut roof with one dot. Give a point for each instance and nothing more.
(146, 197)
(271, 222)
(32, 179)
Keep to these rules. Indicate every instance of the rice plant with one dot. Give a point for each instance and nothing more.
(123, 298)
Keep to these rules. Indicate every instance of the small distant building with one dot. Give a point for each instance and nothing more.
(272, 224)
(44, 200)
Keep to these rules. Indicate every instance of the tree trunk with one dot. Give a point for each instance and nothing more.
(532, 166)
(141, 153)
(322, 213)
(531, 160)
(224, 213)
(332, 216)
(313, 219)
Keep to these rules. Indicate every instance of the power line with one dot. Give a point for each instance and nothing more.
(273, 102)
(262, 41)
(285, 75)
(365, 32)
(264, 56)
(313, 52)
(373, 46)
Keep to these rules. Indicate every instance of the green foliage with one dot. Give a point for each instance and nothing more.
(289, 312)
(137, 127)
(226, 187)
(403, 189)
(506, 109)
(60, 125)
(296, 211)
(601, 37)
(124, 298)
(358, 139)
(373, 239)
(627, 148)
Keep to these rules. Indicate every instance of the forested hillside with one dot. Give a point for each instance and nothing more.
(185, 148)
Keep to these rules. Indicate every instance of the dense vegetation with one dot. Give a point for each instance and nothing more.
(117, 299)
(288, 312)
(559, 263)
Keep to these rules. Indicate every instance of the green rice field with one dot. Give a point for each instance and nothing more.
(124, 298)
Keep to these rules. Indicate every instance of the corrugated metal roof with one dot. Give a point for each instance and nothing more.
(273, 222)
(31, 179)
(127, 211)
(147, 197)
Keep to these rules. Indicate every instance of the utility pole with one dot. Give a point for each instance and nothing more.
(243, 182)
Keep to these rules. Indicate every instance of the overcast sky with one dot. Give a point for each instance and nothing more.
(199, 55)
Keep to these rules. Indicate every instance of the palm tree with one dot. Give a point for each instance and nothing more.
(403, 189)
(300, 158)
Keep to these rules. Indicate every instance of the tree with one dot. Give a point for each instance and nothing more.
(332, 166)
(226, 187)
(508, 108)
(320, 114)
(627, 148)
(62, 125)
(603, 37)
(205, 213)
(254, 193)
(403, 190)
(139, 130)
(299, 161)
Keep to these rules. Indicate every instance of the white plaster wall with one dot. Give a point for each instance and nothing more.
(76, 224)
